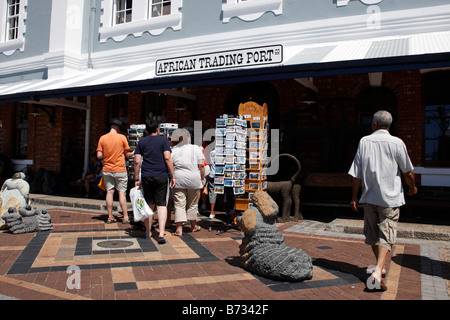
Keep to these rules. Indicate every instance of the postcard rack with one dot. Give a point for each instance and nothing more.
(230, 155)
(256, 118)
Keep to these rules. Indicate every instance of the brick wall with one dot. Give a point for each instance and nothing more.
(7, 128)
(44, 140)
(212, 101)
(407, 87)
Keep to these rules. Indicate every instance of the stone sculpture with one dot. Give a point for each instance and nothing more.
(286, 192)
(27, 220)
(14, 193)
(263, 250)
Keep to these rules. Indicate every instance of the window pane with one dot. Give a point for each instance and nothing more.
(431, 150)
(166, 8)
(437, 132)
(160, 8)
(437, 111)
(436, 128)
(119, 17)
(124, 10)
(156, 10)
(120, 5)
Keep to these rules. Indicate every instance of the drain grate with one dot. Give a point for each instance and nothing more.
(115, 244)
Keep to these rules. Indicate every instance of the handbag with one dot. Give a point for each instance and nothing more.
(102, 184)
(141, 210)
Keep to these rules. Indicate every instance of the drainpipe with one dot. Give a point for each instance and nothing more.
(87, 135)
(92, 16)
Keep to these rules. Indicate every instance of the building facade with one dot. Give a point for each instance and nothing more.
(323, 67)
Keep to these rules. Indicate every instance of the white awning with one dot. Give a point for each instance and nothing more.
(431, 50)
(88, 78)
(430, 43)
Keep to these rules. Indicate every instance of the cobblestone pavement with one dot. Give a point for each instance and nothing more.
(85, 258)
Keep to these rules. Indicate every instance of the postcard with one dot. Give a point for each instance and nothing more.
(219, 170)
(221, 122)
(219, 160)
(253, 185)
(219, 189)
(256, 124)
(219, 180)
(253, 175)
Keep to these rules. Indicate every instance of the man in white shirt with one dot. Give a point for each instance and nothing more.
(379, 162)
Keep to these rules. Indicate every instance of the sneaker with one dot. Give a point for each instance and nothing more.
(211, 216)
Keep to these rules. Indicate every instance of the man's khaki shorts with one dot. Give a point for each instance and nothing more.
(380, 225)
(116, 180)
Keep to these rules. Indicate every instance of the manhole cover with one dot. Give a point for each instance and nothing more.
(115, 244)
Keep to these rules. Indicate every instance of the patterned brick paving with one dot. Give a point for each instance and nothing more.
(198, 266)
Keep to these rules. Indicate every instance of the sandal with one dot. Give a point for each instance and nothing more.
(161, 241)
(197, 229)
(125, 221)
(111, 220)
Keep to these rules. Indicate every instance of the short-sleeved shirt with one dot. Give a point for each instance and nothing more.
(113, 147)
(379, 162)
(152, 149)
(186, 159)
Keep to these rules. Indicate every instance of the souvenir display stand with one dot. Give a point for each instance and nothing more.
(256, 117)
(241, 153)
(230, 158)
(166, 129)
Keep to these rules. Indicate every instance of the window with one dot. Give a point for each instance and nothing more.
(155, 106)
(13, 19)
(123, 11)
(437, 132)
(160, 8)
(12, 25)
(436, 118)
(121, 18)
(250, 10)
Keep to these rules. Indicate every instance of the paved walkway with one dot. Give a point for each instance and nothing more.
(84, 258)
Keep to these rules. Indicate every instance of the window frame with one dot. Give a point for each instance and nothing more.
(124, 11)
(9, 46)
(12, 16)
(141, 20)
(434, 93)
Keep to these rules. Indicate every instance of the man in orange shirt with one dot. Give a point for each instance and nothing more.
(113, 148)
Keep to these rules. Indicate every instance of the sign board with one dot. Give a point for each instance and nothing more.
(221, 60)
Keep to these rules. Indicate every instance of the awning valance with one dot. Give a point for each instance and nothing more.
(431, 50)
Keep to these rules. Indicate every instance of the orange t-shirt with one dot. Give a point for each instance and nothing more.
(113, 147)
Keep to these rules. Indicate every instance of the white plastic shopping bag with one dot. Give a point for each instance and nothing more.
(141, 210)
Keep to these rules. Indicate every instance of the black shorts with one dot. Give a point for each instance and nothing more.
(156, 190)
